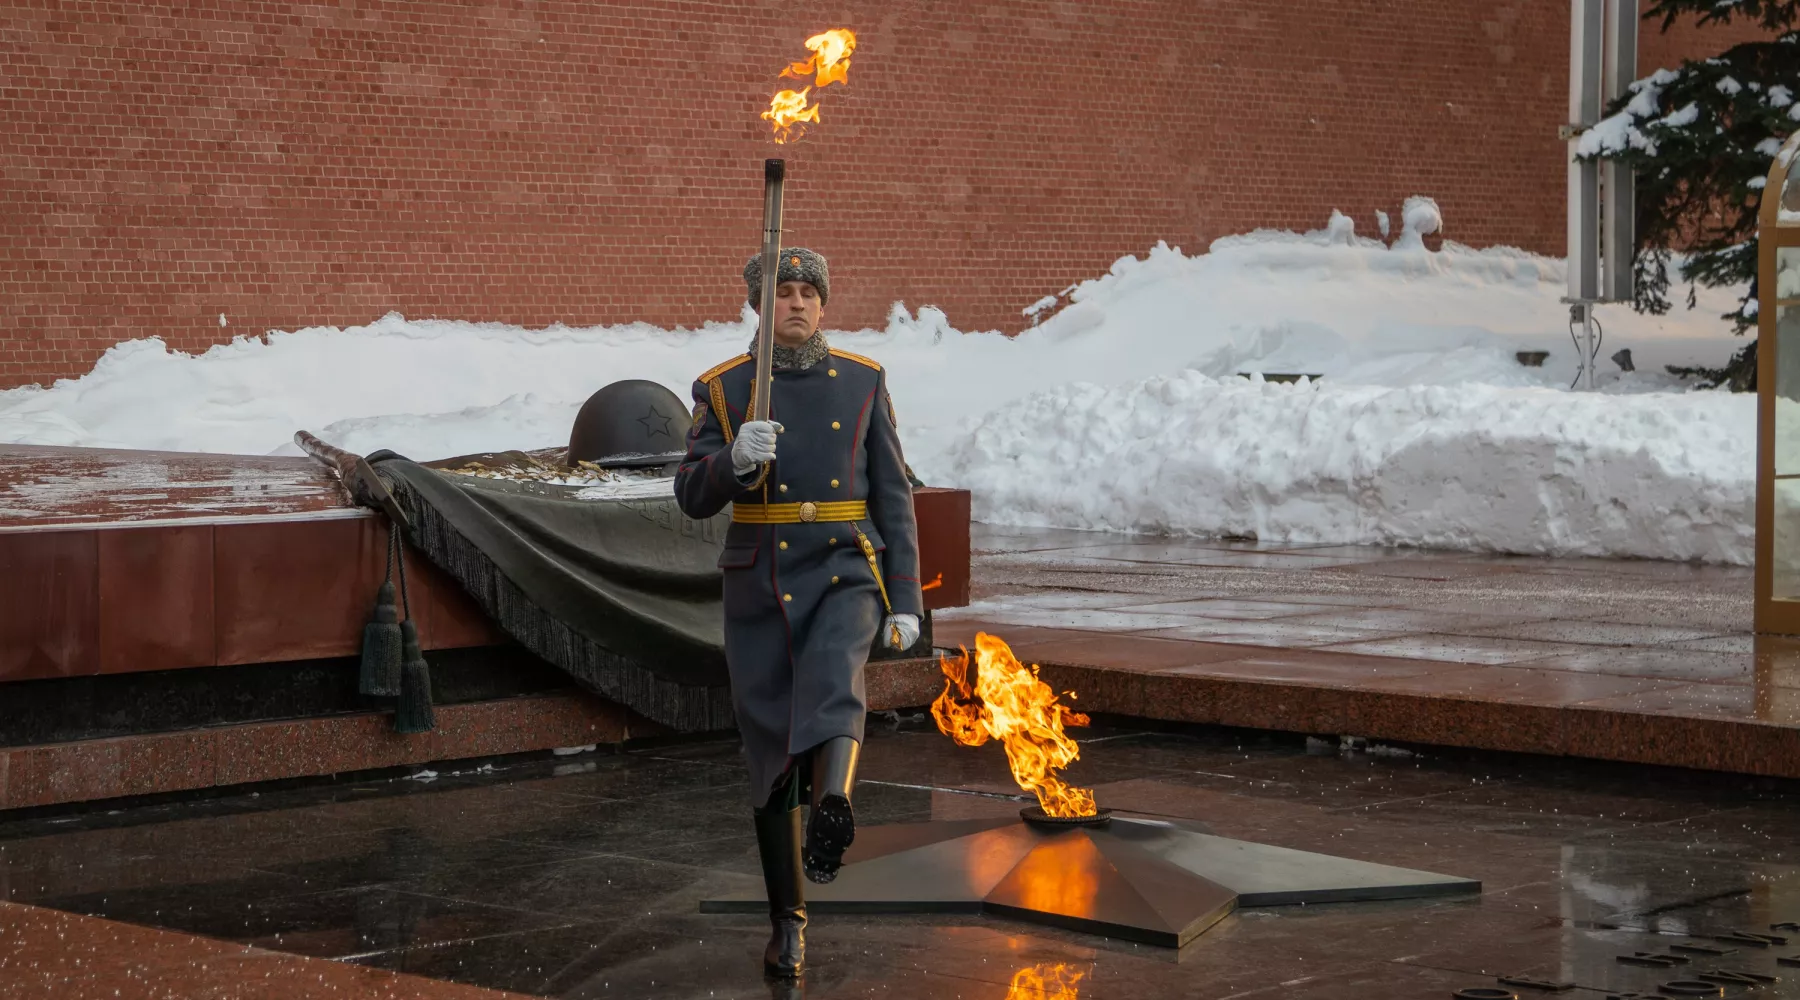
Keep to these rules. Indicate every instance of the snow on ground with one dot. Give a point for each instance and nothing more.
(1120, 410)
(1452, 466)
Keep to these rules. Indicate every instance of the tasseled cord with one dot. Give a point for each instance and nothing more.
(413, 712)
(392, 664)
(381, 649)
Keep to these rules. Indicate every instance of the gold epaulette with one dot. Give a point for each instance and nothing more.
(715, 391)
(719, 369)
(871, 362)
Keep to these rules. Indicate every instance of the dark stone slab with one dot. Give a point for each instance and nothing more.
(1156, 882)
(108, 705)
(582, 875)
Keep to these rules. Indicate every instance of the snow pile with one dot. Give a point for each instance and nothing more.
(1470, 466)
(1419, 218)
(1391, 330)
(426, 389)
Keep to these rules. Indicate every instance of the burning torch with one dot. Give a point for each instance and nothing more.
(789, 112)
(774, 172)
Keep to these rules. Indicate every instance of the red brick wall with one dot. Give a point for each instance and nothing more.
(290, 164)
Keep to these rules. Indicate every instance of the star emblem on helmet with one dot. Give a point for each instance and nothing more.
(655, 423)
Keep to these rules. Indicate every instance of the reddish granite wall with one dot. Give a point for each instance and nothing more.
(287, 164)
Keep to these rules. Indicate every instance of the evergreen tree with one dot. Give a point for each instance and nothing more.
(1700, 138)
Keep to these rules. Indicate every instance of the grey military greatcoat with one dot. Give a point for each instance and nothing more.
(801, 604)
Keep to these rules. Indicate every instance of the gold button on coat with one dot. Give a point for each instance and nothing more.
(784, 545)
(834, 579)
(836, 426)
(832, 372)
(832, 541)
(787, 597)
(834, 484)
(784, 487)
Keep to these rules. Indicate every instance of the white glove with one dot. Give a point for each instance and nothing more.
(755, 445)
(901, 631)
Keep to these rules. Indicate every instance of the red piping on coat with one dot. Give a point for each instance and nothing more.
(855, 441)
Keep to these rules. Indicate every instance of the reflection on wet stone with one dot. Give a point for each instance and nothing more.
(589, 884)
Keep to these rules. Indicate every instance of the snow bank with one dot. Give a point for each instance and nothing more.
(1469, 466)
(1416, 348)
(428, 389)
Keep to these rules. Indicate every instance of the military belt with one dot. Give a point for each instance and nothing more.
(799, 513)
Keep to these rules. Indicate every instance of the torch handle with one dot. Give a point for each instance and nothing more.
(774, 173)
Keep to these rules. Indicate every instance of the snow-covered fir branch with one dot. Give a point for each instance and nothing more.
(1701, 137)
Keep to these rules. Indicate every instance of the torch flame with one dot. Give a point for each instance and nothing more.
(1009, 703)
(1045, 982)
(787, 110)
(831, 57)
(830, 63)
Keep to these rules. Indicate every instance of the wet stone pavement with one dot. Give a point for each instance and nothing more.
(580, 875)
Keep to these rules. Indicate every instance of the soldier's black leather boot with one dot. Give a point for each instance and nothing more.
(833, 826)
(778, 842)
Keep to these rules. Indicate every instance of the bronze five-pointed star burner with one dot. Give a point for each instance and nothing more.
(1154, 881)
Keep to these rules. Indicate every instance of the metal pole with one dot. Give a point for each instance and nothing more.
(774, 173)
(1586, 60)
(1587, 345)
(1618, 181)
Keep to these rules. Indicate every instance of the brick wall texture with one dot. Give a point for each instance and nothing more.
(294, 164)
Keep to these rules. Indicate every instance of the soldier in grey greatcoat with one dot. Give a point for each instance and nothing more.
(822, 554)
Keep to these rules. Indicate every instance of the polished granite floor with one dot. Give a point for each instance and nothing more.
(1632, 660)
(580, 875)
(1679, 623)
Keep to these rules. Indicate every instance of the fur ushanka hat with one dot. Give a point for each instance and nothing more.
(797, 264)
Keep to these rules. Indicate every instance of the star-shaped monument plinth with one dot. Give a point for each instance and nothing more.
(1153, 881)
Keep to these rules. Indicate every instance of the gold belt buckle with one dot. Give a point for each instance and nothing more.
(809, 512)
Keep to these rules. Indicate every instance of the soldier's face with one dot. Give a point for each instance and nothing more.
(797, 312)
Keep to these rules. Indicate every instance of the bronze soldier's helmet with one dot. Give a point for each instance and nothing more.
(631, 424)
